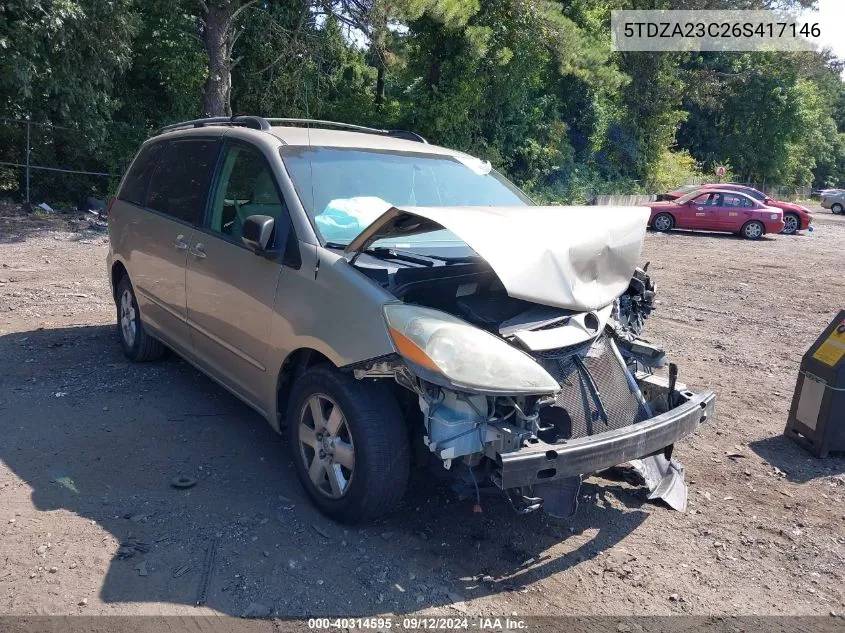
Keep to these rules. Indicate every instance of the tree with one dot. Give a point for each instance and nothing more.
(219, 19)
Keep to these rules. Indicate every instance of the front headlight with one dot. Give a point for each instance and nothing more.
(467, 357)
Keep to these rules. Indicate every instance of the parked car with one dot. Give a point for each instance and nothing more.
(795, 217)
(375, 297)
(835, 201)
(717, 210)
(819, 193)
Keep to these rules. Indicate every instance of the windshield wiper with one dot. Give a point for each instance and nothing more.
(384, 252)
(466, 259)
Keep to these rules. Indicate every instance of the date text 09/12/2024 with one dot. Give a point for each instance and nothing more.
(420, 623)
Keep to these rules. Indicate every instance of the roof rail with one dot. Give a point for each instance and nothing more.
(254, 122)
(261, 123)
(403, 134)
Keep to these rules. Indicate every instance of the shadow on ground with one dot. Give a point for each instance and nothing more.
(796, 462)
(102, 438)
(768, 237)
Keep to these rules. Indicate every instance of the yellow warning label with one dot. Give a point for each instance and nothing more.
(833, 349)
(733, 214)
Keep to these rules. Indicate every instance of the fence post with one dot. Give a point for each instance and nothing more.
(27, 162)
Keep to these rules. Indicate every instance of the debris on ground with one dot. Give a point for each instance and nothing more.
(183, 482)
(132, 546)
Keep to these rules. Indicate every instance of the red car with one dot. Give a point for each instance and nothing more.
(717, 210)
(795, 217)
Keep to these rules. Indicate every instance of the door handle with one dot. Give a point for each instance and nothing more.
(179, 243)
(198, 251)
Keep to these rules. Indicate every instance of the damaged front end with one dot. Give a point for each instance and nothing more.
(527, 394)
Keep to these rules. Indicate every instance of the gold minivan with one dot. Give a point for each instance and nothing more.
(384, 301)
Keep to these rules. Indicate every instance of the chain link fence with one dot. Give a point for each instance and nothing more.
(42, 162)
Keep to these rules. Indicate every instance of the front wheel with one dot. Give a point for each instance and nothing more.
(753, 230)
(837, 208)
(791, 224)
(349, 444)
(662, 222)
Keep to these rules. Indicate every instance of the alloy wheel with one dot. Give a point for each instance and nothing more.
(790, 225)
(662, 223)
(128, 326)
(325, 445)
(753, 231)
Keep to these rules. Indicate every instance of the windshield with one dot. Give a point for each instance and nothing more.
(344, 190)
(757, 195)
(690, 196)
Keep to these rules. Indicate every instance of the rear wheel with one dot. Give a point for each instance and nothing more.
(349, 444)
(753, 230)
(136, 344)
(791, 224)
(662, 222)
(837, 208)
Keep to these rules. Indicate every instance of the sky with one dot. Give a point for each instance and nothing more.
(830, 15)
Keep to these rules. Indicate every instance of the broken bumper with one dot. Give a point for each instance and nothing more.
(541, 463)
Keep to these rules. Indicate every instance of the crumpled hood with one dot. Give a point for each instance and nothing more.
(576, 258)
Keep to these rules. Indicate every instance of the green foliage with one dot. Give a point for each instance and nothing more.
(530, 85)
(673, 169)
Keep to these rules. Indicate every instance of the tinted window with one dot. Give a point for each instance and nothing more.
(245, 187)
(134, 188)
(181, 178)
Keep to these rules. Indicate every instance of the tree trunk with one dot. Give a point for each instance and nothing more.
(380, 83)
(218, 37)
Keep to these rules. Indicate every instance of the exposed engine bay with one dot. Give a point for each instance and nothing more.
(605, 406)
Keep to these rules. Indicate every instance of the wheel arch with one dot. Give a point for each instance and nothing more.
(117, 273)
(294, 365)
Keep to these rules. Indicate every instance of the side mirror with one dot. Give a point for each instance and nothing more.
(256, 233)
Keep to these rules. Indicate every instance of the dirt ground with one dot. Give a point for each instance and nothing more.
(89, 444)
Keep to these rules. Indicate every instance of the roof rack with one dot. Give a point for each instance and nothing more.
(253, 122)
(261, 123)
(403, 134)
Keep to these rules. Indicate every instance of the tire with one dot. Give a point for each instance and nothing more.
(753, 230)
(792, 224)
(137, 345)
(663, 222)
(837, 208)
(358, 470)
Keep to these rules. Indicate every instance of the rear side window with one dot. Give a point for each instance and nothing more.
(134, 188)
(180, 180)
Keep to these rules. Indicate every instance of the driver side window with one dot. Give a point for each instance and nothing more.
(246, 187)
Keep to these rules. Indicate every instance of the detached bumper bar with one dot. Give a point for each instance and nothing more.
(540, 463)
